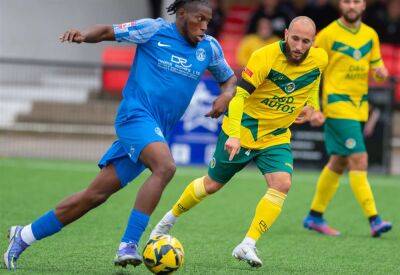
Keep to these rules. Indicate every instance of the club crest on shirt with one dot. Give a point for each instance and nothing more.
(290, 87)
(201, 54)
(357, 55)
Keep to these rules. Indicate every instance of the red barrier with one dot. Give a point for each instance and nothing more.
(391, 58)
(116, 63)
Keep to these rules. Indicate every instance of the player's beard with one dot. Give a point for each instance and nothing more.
(289, 56)
(352, 20)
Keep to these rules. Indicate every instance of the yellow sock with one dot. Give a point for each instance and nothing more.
(362, 191)
(268, 209)
(327, 185)
(192, 195)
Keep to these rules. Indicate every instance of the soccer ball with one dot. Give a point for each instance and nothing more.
(163, 254)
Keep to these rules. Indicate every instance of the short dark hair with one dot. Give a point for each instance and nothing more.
(173, 8)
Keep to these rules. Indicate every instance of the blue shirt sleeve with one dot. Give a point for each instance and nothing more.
(139, 31)
(218, 65)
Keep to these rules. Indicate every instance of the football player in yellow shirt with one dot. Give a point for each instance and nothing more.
(353, 50)
(278, 81)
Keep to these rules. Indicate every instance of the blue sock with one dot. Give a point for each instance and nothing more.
(137, 223)
(46, 225)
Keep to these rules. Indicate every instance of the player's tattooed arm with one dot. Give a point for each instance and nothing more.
(92, 34)
(221, 103)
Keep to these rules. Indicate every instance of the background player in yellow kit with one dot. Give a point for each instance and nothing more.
(278, 81)
(353, 50)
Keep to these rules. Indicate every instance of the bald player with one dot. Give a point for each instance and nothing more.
(278, 81)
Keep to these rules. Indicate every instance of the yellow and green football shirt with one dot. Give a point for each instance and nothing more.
(351, 52)
(278, 92)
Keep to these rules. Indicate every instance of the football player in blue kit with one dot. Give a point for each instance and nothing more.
(170, 60)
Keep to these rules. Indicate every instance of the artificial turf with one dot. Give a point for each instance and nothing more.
(30, 187)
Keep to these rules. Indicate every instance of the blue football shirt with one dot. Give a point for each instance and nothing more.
(166, 70)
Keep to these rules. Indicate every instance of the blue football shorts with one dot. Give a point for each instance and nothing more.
(133, 136)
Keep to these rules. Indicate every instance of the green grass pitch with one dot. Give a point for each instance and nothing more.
(208, 233)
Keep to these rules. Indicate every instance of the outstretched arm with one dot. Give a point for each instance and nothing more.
(93, 34)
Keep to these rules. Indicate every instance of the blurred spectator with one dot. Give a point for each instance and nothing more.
(252, 42)
(299, 6)
(374, 8)
(218, 18)
(322, 12)
(279, 13)
(386, 21)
